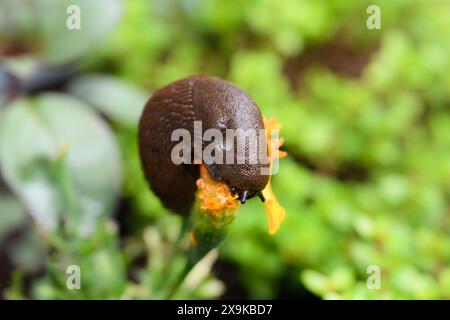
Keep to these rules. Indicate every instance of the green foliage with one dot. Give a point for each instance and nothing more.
(365, 117)
(31, 24)
(56, 165)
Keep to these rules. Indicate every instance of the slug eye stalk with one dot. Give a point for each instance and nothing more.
(261, 196)
(243, 196)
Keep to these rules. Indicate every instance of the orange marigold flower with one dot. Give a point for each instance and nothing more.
(214, 196)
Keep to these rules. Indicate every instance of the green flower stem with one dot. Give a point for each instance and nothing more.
(209, 230)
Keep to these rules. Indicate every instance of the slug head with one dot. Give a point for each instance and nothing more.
(222, 106)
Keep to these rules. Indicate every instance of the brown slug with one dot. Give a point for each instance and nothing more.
(217, 104)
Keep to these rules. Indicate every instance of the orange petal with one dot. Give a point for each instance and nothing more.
(193, 238)
(282, 154)
(214, 196)
(275, 212)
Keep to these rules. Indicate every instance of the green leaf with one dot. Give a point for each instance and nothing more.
(61, 160)
(46, 22)
(314, 281)
(117, 99)
(12, 214)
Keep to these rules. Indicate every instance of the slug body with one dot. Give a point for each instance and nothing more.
(217, 104)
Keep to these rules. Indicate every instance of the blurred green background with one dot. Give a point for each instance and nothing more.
(366, 120)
